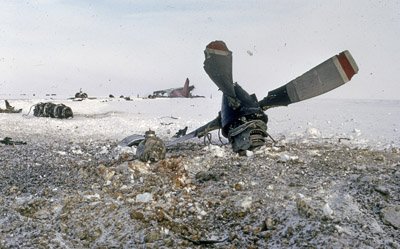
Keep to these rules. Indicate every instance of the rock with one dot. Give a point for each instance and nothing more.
(142, 167)
(268, 224)
(391, 216)
(304, 209)
(152, 237)
(327, 210)
(204, 176)
(136, 215)
(107, 173)
(375, 227)
(382, 189)
(224, 194)
(239, 186)
(249, 153)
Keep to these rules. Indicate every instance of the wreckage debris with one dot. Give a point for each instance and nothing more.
(52, 110)
(9, 109)
(181, 132)
(242, 119)
(152, 148)
(8, 141)
(180, 92)
(149, 147)
(203, 242)
(81, 94)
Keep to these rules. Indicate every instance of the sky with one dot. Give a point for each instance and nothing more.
(134, 47)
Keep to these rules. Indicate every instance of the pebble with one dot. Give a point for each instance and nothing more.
(152, 237)
(391, 216)
(136, 215)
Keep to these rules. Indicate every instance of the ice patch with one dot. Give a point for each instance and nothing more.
(249, 153)
(126, 149)
(145, 197)
(312, 133)
(95, 196)
(285, 157)
(215, 150)
(246, 203)
(314, 153)
(104, 150)
(78, 152)
(357, 132)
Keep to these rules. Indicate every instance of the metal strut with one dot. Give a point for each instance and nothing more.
(207, 138)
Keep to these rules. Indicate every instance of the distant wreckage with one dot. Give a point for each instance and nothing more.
(181, 92)
(9, 108)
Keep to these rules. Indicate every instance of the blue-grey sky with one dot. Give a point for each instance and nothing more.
(133, 47)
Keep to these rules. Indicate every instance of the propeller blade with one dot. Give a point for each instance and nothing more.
(323, 78)
(199, 132)
(131, 140)
(218, 65)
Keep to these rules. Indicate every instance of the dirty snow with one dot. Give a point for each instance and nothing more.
(330, 181)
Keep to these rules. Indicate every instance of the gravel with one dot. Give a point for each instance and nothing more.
(94, 194)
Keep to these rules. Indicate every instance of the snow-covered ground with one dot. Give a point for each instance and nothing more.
(361, 123)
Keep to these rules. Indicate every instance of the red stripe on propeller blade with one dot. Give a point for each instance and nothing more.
(345, 63)
(218, 45)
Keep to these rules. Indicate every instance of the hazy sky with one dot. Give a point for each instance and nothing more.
(137, 46)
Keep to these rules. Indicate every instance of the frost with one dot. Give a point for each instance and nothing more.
(249, 153)
(246, 202)
(78, 151)
(215, 150)
(285, 157)
(95, 196)
(104, 150)
(145, 197)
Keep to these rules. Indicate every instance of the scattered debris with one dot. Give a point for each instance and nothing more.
(132, 140)
(8, 141)
(181, 132)
(10, 109)
(81, 95)
(52, 110)
(152, 148)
